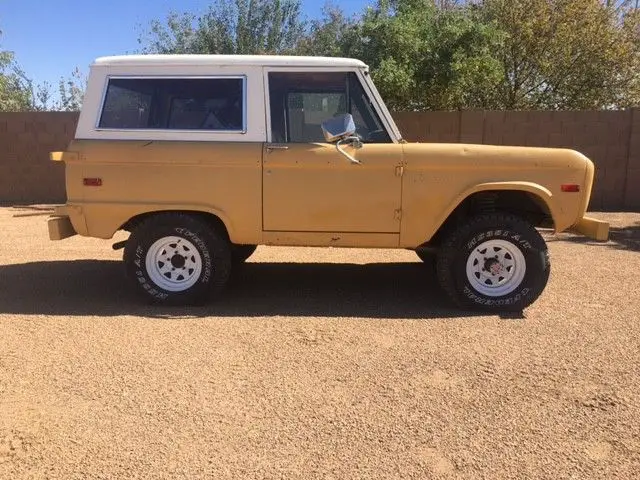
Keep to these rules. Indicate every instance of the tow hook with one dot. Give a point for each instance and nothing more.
(119, 245)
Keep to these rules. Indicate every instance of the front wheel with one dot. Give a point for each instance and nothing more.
(495, 262)
(177, 259)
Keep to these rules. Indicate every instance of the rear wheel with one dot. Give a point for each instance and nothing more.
(177, 259)
(494, 262)
(426, 256)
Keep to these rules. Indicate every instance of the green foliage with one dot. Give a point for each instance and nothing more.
(18, 93)
(230, 27)
(425, 57)
(331, 36)
(567, 54)
(71, 92)
(14, 91)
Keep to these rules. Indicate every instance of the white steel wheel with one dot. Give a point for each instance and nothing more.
(173, 264)
(496, 268)
(493, 262)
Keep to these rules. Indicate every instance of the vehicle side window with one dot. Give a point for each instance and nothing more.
(301, 101)
(174, 104)
(307, 110)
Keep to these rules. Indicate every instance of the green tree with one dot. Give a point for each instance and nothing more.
(229, 27)
(567, 54)
(15, 94)
(71, 92)
(333, 35)
(41, 97)
(425, 58)
(19, 93)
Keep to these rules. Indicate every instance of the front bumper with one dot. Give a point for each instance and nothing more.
(590, 227)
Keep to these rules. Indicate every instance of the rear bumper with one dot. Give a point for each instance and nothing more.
(592, 228)
(60, 226)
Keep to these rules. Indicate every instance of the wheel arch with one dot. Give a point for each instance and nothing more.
(214, 219)
(530, 201)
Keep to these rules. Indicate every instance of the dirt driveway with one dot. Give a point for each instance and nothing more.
(332, 364)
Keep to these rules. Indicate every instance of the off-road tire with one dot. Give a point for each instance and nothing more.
(206, 259)
(240, 253)
(427, 256)
(459, 251)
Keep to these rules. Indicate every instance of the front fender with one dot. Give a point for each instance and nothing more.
(419, 228)
(541, 192)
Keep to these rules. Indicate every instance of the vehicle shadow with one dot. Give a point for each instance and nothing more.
(97, 287)
(621, 238)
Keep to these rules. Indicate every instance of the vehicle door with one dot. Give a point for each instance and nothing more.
(308, 185)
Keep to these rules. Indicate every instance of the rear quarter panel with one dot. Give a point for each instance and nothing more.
(222, 178)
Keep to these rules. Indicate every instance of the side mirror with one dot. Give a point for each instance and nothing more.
(342, 129)
(338, 128)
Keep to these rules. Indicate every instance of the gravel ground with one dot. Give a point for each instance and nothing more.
(319, 363)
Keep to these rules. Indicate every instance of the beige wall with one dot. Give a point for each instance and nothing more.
(611, 139)
(26, 173)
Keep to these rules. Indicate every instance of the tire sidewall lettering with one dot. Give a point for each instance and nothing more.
(508, 235)
(204, 251)
(499, 301)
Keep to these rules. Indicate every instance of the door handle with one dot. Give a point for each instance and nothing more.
(277, 147)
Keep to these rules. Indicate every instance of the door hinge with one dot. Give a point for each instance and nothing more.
(399, 170)
(397, 214)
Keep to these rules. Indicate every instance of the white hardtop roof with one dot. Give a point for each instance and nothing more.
(228, 60)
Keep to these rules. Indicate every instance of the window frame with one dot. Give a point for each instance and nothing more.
(374, 97)
(105, 89)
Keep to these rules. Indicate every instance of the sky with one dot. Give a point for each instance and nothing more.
(50, 38)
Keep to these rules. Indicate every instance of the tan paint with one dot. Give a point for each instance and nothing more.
(60, 228)
(321, 239)
(438, 177)
(73, 212)
(314, 188)
(138, 177)
(592, 228)
(398, 197)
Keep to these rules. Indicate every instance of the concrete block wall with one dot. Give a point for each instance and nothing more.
(27, 175)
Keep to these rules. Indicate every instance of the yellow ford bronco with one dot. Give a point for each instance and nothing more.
(203, 157)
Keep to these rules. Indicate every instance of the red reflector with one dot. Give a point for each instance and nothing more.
(570, 187)
(92, 182)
